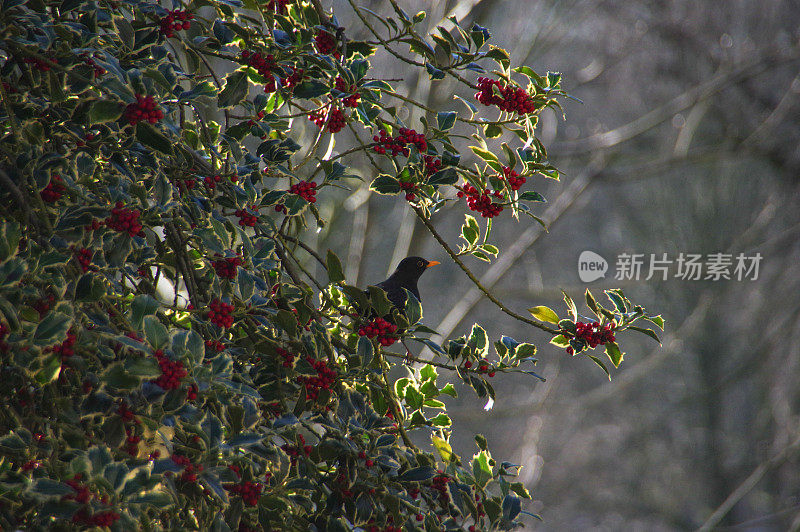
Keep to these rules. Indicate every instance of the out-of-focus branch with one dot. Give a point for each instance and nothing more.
(748, 484)
(683, 101)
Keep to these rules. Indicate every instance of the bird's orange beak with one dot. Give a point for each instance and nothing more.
(432, 263)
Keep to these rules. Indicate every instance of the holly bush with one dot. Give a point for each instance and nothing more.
(168, 360)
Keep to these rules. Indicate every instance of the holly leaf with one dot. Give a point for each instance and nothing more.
(543, 313)
(105, 111)
(236, 87)
(148, 135)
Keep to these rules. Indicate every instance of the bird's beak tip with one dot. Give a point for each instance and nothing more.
(432, 263)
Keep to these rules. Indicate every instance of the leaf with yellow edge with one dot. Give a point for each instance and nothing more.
(444, 449)
(543, 313)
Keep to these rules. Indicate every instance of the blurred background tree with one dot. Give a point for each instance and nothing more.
(688, 141)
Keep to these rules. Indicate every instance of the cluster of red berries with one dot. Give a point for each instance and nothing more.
(82, 493)
(191, 392)
(220, 313)
(4, 330)
(409, 188)
(306, 190)
(181, 460)
(66, 348)
(211, 181)
(432, 164)
(185, 184)
(439, 483)
(483, 368)
(264, 65)
(318, 117)
(508, 98)
(54, 189)
(175, 20)
(288, 358)
(591, 334)
(479, 507)
(84, 257)
(382, 329)
(249, 491)
(481, 202)
(127, 414)
(124, 220)
(30, 464)
(215, 345)
(98, 70)
(226, 266)
(43, 306)
(294, 450)
(325, 42)
(397, 145)
(335, 119)
(367, 461)
(245, 218)
(100, 519)
(293, 79)
(94, 226)
(144, 108)
(131, 445)
(278, 6)
(171, 372)
(323, 381)
(352, 90)
(189, 472)
(515, 182)
(352, 100)
(40, 64)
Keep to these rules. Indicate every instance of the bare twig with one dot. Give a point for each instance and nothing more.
(475, 280)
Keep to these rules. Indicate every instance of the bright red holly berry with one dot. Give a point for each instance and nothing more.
(480, 201)
(506, 97)
(171, 371)
(54, 189)
(399, 145)
(144, 109)
(246, 219)
(325, 42)
(306, 190)
(226, 266)
(220, 313)
(124, 220)
(380, 328)
(175, 20)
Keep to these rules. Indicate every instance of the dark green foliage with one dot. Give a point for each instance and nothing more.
(167, 362)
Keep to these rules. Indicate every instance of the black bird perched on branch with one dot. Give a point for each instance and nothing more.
(405, 276)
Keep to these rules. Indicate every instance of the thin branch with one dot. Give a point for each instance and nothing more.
(401, 57)
(517, 249)
(475, 280)
(305, 247)
(748, 484)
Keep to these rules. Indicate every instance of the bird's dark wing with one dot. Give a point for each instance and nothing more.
(394, 292)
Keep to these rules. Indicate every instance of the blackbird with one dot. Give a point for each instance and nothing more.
(405, 276)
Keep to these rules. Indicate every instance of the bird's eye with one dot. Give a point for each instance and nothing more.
(420, 263)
